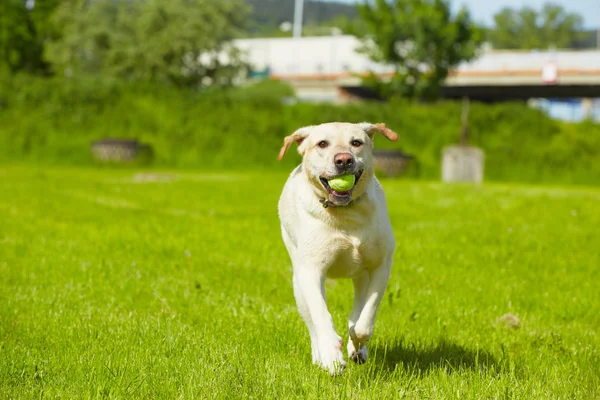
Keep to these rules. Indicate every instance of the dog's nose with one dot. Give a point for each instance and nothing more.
(343, 160)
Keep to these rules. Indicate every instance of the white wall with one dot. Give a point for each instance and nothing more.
(338, 54)
(308, 55)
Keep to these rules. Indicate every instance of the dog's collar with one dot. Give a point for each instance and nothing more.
(326, 203)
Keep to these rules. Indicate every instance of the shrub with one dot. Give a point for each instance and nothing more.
(53, 121)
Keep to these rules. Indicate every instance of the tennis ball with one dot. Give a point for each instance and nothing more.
(342, 183)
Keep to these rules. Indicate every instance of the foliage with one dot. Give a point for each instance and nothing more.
(588, 39)
(527, 28)
(23, 32)
(181, 42)
(421, 38)
(166, 285)
(54, 120)
(267, 15)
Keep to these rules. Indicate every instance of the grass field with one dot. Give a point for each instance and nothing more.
(116, 284)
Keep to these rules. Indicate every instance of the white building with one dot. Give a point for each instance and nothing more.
(318, 66)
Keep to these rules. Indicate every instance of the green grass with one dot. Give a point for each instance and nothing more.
(115, 287)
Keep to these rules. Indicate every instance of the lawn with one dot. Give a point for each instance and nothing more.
(121, 284)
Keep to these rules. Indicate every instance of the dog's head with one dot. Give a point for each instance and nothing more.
(336, 149)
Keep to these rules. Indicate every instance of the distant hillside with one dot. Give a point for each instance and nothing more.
(589, 40)
(267, 15)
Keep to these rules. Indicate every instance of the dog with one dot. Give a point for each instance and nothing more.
(333, 234)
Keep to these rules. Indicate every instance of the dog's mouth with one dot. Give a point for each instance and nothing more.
(336, 196)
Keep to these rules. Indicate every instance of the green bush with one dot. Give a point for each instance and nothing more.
(53, 121)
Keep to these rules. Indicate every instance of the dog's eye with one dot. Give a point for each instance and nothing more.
(323, 143)
(356, 143)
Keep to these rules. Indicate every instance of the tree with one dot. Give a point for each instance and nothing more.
(421, 38)
(268, 15)
(182, 42)
(529, 29)
(24, 28)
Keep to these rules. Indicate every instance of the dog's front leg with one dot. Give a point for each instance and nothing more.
(310, 282)
(305, 314)
(361, 284)
(363, 329)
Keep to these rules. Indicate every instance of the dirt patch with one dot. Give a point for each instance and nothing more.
(146, 177)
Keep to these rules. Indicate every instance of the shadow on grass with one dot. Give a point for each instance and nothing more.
(420, 359)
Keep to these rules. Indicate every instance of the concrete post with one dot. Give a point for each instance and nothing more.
(462, 164)
(298, 14)
(586, 107)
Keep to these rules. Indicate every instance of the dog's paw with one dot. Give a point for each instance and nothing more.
(359, 356)
(314, 347)
(360, 334)
(331, 357)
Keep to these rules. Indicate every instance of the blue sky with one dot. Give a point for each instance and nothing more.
(483, 10)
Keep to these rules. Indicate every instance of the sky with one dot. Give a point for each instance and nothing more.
(483, 10)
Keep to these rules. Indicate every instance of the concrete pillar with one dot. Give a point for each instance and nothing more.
(462, 164)
(586, 107)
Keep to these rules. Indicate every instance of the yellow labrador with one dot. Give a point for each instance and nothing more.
(336, 234)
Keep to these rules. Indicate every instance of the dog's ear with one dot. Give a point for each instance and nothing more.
(372, 129)
(297, 137)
